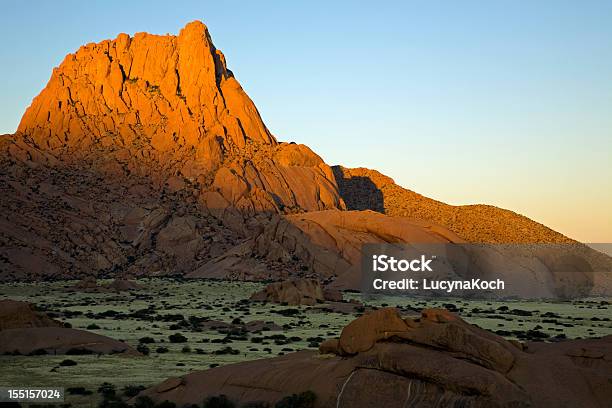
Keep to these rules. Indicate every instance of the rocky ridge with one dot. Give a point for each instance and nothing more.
(365, 189)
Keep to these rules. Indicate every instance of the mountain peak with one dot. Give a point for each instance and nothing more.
(165, 109)
(174, 90)
(196, 27)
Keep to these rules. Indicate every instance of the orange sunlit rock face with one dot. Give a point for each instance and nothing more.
(144, 155)
(167, 108)
(175, 90)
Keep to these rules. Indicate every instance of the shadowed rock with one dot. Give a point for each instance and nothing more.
(25, 331)
(59, 340)
(20, 315)
(123, 285)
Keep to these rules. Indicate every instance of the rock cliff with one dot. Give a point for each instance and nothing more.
(144, 154)
(167, 108)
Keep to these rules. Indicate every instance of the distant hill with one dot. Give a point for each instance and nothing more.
(365, 189)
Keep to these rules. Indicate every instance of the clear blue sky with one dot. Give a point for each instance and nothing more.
(500, 102)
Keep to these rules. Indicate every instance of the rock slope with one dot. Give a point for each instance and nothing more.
(327, 243)
(329, 247)
(437, 359)
(59, 340)
(19, 315)
(24, 331)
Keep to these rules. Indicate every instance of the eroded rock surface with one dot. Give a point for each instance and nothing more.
(144, 153)
(308, 292)
(382, 359)
(329, 242)
(167, 108)
(327, 245)
(291, 292)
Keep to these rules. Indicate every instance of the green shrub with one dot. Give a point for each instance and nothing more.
(107, 389)
(305, 399)
(177, 338)
(78, 391)
(141, 348)
(166, 404)
(144, 402)
(220, 401)
(132, 390)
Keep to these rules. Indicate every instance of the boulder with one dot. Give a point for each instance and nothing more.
(25, 331)
(436, 359)
(59, 340)
(22, 315)
(332, 295)
(330, 346)
(361, 334)
(292, 292)
(123, 285)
